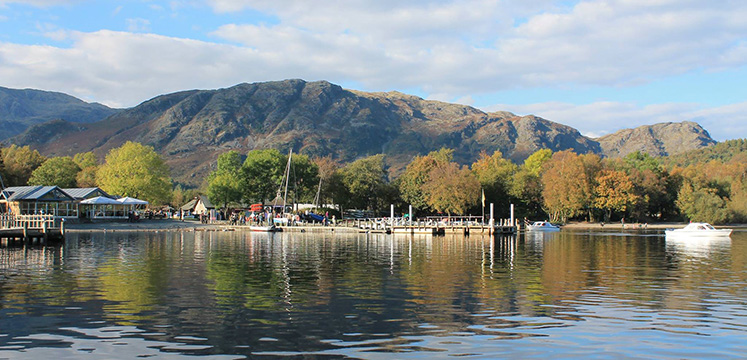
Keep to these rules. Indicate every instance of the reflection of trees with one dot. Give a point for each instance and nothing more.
(134, 283)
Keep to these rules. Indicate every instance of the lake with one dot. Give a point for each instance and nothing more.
(233, 295)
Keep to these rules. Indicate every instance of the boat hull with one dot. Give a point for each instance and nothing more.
(265, 229)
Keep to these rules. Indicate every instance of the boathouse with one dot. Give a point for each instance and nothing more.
(30, 200)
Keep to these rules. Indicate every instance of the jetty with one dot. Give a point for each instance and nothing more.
(31, 227)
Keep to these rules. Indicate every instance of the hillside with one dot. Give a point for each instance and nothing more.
(191, 128)
(21, 109)
(724, 152)
(657, 140)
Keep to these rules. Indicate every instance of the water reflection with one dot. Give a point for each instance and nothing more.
(371, 295)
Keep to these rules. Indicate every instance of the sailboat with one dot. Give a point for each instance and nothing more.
(283, 189)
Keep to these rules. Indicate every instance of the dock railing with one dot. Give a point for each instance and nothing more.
(12, 221)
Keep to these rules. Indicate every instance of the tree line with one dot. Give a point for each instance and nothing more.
(560, 186)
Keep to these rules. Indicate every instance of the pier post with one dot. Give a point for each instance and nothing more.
(512, 216)
(491, 222)
(409, 217)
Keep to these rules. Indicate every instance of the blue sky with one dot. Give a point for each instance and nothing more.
(597, 65)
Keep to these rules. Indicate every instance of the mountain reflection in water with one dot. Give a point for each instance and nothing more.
(236, 295)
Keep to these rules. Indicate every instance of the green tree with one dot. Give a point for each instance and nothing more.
(20, 162)
(364, 179)
(304, 178)
(262, 173)
(89, 165)
(60, 171)
(136, 170)
(224, 184)
(702, 204)
(496, 175)
(526, 185)
(452, 189)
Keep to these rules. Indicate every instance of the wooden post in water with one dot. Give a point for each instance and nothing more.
(491, 223)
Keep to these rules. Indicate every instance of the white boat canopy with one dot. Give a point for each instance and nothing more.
(131, 201)
(100, 200)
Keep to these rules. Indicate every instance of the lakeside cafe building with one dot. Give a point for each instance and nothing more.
(77, 203)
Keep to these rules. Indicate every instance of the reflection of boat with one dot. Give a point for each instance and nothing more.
(542, 226)
(258, 228)
(697, 230)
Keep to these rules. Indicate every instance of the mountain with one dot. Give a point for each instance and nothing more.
(657, 140)
(191, 128)
(20, 109)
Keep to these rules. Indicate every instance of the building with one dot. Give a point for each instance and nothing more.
(28, 200)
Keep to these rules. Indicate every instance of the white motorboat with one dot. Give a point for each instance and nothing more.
(260, 228)
(698, 230)
(542, 226)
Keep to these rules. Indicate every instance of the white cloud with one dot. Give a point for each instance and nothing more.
(138, 25)
(600, 118)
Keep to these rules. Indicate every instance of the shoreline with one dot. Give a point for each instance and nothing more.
(191, 225)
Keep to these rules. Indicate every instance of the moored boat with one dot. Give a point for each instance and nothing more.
(542, 226)
(261, 228)
(698, 229)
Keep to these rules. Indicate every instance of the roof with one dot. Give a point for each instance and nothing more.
(206, 202)
(86, 193)
(190, 205)
(35, 193)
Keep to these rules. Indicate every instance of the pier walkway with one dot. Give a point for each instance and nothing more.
(31, 227)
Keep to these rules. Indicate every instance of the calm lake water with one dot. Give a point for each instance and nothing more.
(129, 295)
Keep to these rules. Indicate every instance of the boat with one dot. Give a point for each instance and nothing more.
(542, 226)
(264, 228)
(698, 229)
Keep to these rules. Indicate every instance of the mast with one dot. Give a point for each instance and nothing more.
(287, 178)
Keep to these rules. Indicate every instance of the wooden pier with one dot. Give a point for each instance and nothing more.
(31, 227)
(431, 227)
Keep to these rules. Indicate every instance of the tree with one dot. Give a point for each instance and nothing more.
(327, 168)
(19, 163)
(526, 185)
(614, 192)
(364, 179)
(135, 170)
(224, 184)
(88, 165)
(566, 186)
(452, 189)
(702, 204)
(262, 173)
(304, 178)
(59, 171)
(412, 181)
(495, 175)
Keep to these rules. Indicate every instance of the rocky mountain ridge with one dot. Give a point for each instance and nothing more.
(23, 108)
(191, 128)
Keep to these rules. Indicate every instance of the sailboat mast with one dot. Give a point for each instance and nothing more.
(287, 178)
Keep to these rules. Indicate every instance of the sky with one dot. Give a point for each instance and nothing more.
(597, 65)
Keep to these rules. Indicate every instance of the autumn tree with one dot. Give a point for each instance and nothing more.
(417, 174)
(60, 171)
(135, 170)
(20, 162)
(327, 168)
(452, 189)
(614, 192)
(567, 185)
